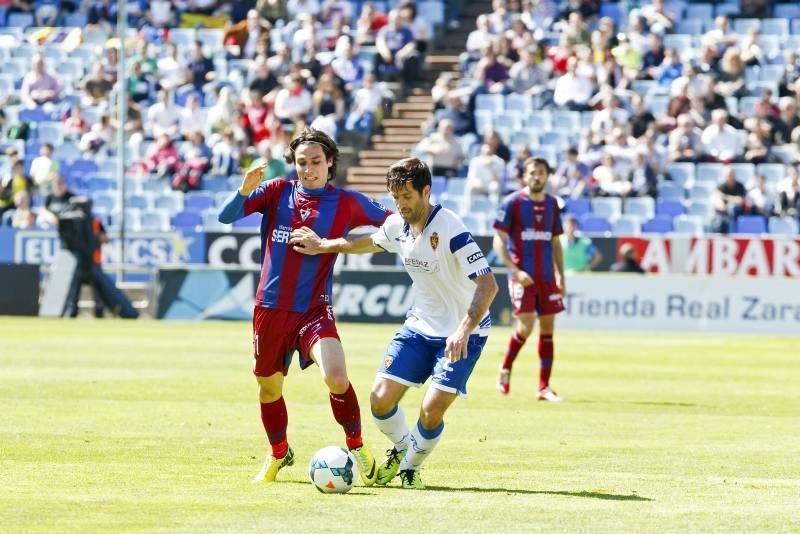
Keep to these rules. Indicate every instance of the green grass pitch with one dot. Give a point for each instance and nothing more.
(112, 426)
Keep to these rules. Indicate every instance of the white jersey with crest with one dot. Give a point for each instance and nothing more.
(441, 261)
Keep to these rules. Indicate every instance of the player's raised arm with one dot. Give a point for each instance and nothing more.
(234, 206)
(306, 241)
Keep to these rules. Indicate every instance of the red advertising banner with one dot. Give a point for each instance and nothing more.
(718, 255)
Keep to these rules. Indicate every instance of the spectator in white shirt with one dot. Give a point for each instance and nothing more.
(366, 102)
(163, 116)
(720, 139)
(192, 117)
(485, 174)
(610, 116)
(44, 169)
(444, 150)
(573, 91)
(479, 38)
(762, 199)
(172, 72)
(293, 101)
(298, 7)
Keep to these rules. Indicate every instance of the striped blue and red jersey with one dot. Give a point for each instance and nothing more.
(531, 226)
(290, 280)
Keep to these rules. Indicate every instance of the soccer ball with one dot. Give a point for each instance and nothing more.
(332, 470)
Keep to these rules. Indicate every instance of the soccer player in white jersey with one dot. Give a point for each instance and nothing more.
(447, 324)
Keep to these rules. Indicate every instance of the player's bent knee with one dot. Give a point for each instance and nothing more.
(431, 419)
(267, 395)
(337, 382)
(379, 404)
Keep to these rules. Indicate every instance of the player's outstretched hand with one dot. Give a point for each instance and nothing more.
(252, 179)
(305, 241)
(523, 278)
(456, 346)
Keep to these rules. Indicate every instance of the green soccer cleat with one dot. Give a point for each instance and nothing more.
(367, 467)
(272, 466)
(411, 479)
(389, 469)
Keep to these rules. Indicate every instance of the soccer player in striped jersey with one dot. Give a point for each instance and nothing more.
(294, 308)
(447, 324)
(527, 227)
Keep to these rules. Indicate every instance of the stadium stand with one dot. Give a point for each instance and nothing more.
(691, 89)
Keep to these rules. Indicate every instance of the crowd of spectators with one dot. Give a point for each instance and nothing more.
(648, 94)
(201, 102)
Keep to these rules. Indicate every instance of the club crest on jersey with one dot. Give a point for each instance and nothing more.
(305, 213)
(434, 240)
(538, 218)
(387, 362)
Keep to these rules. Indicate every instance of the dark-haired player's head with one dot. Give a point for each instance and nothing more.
(536, 174)
(409, 182)
(315, 156)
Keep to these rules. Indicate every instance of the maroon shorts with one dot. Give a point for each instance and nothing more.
(278, 333)
(542, 298)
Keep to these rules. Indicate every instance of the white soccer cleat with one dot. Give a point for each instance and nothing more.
(548, 395)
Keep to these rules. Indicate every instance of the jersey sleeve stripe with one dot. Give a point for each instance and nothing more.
(476, 274)
(460, 241)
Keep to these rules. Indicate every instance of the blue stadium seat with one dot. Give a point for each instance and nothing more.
(455, 188)
(778, 27)
(567, 121)
(539, 121)
(173, 203)
(680, 42)
(66, 153)
(104, 201)
(701, 208)
(198, 201)
(100, 183)
(155, 221)
(688, 224)
(658, 225)
(49, 132)
(773, 173)
(215, 184)
(188, 220)
(783, 225)
(670, 191)
(517, 103)
(786, 10)
(727, 9)
(627, 225)
(709, 172)
(140, 202)
(211, 222)
(480, 204)
(591, 224)
(438, 185)
(251, 221)
(745, 172)
(578, 206)
(751, 224)
(681, 173)
(643, 207)
(34, 115)
(20, 20)
(700, 11)
(701, 191)
(607, 207)
(612, 11)
(669, 208)
(490, 102)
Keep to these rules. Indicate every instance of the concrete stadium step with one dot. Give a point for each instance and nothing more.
(384, 162)
(405, 148)
(401, 123)
(421, 115)
(399, 135)
(424, 105)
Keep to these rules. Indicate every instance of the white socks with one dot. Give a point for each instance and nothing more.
(394, 427)
(422, 444)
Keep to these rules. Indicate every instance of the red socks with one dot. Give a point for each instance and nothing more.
(275, 420)
(545, 359)
(514, 345)
(346, 412)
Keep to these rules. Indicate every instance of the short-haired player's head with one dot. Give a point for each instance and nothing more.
(314, 155)
(536, 173)
(409, 182)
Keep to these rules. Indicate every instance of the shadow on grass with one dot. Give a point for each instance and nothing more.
(586, 494)
(641, 403)
(364, 492)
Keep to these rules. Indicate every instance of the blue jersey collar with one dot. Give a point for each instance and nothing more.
(313, 192)
(431, 215)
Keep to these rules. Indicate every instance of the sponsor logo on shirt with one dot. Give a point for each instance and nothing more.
(535, 235)
(414, 265)
(281, 234)
(475, 257)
